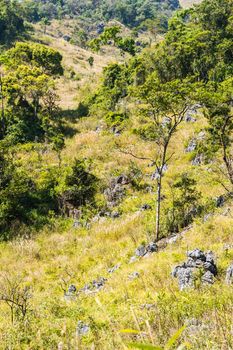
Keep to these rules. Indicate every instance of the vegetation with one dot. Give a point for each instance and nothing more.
(103, 153)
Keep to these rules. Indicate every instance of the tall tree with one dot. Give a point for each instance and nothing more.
(162, 109)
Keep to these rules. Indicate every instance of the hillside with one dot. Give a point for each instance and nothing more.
(189, 3)
(87, 259)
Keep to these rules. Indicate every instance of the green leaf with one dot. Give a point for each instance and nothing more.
(174, 338)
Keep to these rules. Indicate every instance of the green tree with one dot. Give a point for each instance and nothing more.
(162, 110)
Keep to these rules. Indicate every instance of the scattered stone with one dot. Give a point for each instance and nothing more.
(115, 131)
(99, 129)
(100, 28)
(115, 215)
(198, 160)
(220, 201)
(82, 329)
(191, 112)
(229, 275)
(77, 224)
(133, 259)
(71, 293)
(146, 249)
(114, 268)
(145, 207)
(197, 259)
(134, 275)
(67, 38)
(72, 289)
(94, 286)
(191, 146)
(116, 191)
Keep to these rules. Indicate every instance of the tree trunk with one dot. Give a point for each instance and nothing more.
(3, 122)
(158, 206)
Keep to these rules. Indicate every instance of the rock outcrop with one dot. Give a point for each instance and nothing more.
(199, 265)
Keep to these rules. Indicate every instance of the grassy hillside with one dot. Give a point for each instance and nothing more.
(189, 3)
(116, 300)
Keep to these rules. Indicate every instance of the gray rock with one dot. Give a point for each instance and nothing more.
(77, 224)
(146, 249)
(220, 201)
(115, 215)
(71, 293)
(67, 38)
(198, 160)
(197, 259)
(134, 275)
(72, 289)
(145, 207)
(229, 275)
(207, 278)
(191, 146)
(185, 276)
(82, 329)
(141, 251)
(94, 286)
(196, 254)
(114, 268)
(133, 259)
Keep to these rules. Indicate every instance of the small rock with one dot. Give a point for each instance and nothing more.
(141, 251)
(198, 160)
(149, 248)
(67, 38)
(114, 268)
(77, 224)
(71, 293)
(72, 289)
(133, 259)
(82, 329)
(134, 275)
(220, 201)
(115, 215)
(145, 207)
(191, 146)
(229, 275)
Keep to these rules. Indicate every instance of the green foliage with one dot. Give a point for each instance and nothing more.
(37, 55)
(129, 12)
(29, 102)
(11, 22)
(109, 36)
(77, 187)
(185, 204)
(114, 119)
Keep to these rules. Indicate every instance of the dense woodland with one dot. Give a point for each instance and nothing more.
(144, 96)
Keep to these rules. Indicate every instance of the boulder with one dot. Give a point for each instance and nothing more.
(146, 249)
(197, 260)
